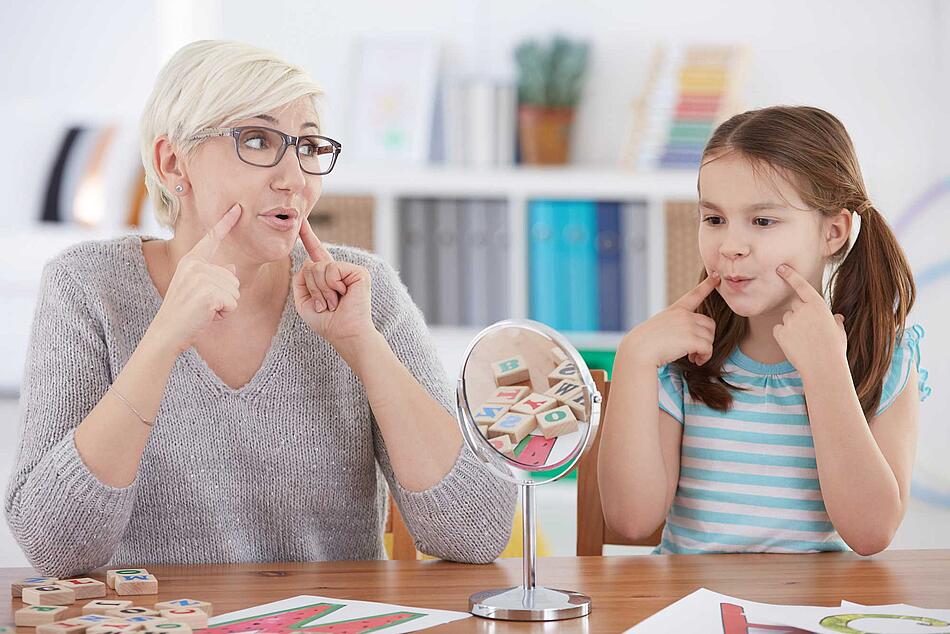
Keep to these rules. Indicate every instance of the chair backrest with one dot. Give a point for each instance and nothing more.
(403, 546)
(592, 530)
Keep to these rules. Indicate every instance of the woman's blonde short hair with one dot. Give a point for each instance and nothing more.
(212, 83)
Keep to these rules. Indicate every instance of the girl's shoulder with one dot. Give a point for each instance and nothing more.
(906, 355)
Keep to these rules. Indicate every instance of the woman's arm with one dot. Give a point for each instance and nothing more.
(64, 517)
(864, 470)
(422, 438)
(639, 459)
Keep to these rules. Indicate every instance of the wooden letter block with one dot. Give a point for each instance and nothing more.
(511, 371)
(204, 606)
(111, 574)
(171, 628)
(558, 355)
(146, 621)
(502, 445)
(34, 615)
(578, 405)
(128, 613)
(48, 595)
(566, 370)
(193, 617)
(84, 588)
(564, 390)
(489, 414)
(92, 620)
(126, 585)
(70, 626)
(508, 395)
(102, 606)
(557, 422)
(17, 588)
(535, 404)
(515, 426)
(115, 626)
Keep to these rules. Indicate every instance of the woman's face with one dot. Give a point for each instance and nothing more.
(218, 179)
(751, 221)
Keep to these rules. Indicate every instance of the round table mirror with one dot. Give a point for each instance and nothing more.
(528, 408)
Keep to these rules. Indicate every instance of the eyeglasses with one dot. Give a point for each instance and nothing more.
(265, 147)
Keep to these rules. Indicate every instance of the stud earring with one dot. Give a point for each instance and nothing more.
(179, 189)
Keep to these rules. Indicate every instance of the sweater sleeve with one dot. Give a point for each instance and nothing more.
(66, 521)
(468, 515)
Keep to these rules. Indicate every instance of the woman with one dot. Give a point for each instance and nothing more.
(229, 394)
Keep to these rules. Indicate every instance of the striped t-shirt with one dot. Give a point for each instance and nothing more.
(748, 477)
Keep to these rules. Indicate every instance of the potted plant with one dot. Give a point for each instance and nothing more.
(549, 82)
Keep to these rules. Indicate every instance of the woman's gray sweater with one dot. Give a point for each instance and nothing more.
(290, 467)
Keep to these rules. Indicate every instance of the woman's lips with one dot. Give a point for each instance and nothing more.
(281, 224)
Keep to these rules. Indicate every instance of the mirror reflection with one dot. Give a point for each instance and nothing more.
(527, 398)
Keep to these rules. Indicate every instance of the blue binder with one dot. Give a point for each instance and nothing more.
(580, 262)
(610, 269)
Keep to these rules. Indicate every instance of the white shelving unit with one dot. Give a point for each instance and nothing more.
(518, 185)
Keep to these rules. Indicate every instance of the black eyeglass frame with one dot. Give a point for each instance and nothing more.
(288, 139)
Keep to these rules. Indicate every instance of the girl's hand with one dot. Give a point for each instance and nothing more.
(333, 298)
(677, 331)
(809, 335)
(200, 292)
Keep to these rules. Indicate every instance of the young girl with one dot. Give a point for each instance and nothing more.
(732, 458)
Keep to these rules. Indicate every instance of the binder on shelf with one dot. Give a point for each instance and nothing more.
(635, 264)
(543, 276)
(497, 269)
(610, 270)
(580, 266)
(474, 257)
(446, 274)
(416, 224)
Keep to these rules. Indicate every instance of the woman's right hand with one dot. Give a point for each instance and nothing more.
(676, 331)
(200, 291)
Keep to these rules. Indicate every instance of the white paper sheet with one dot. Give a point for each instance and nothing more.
(708, 612)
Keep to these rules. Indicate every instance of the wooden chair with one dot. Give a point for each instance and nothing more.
(403, 546)
(592, 530)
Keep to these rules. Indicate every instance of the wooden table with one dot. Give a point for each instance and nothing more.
(625, 590)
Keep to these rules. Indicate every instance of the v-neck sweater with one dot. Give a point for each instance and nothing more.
(291, 466)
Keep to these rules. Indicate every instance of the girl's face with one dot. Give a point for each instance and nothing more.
(219, 179)
(751, 221)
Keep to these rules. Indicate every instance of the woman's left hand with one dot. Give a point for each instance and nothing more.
(332, 297)
(810, 336)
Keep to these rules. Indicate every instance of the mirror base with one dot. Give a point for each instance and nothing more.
(519, 604)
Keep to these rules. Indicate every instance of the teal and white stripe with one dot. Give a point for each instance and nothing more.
(748, 477)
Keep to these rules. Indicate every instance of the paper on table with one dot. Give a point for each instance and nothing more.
(345, 615)
(708, 612)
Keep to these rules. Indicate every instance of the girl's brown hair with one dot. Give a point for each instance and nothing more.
(873, 288)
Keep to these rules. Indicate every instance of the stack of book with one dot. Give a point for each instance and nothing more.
(454, 259)
(689, 92)
(587, 264)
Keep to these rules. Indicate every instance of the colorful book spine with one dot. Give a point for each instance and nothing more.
(543, 276)
(610, 269)
(580, 266)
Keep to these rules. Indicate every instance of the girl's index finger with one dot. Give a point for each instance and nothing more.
(694, 298)
(315, 248)
(805, 291)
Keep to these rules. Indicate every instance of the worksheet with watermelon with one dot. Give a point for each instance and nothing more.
(302, 614)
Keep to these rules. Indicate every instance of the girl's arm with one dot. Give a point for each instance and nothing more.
(639, 460)
(864, 469)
